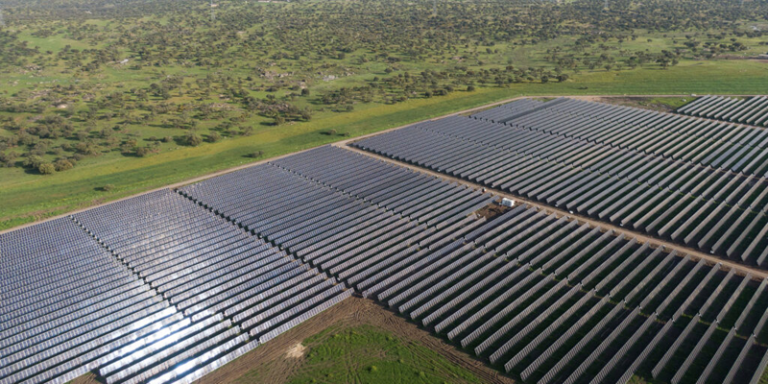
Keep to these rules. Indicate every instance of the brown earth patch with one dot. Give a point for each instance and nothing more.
(296, 352)
(270, 365)
(492, 211)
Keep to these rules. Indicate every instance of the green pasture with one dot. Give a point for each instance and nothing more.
(366, 354)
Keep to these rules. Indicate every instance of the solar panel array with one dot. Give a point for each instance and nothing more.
(360, 220)
(665, 175)
(236, 290)
(687, 140)
(171, 285)
(67, 304)
(753, 110)
(553, 300)
(161, 291)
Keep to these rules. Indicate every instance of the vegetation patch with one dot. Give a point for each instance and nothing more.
(369, 354)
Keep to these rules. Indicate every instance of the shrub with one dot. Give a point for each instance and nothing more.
(107, 187)
(63, 165)
(33, 162)
(256, 154)
(214, 137)
(193, 140)
(46, 168)
(142, 151)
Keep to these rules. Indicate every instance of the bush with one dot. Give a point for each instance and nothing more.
(107, 187)
(63, 165)
(33, 162)
(193, 140)
(471, 88)
(246, 131)
(46, 168)
(143, 151)
(214, 137)
(256, 155)
(167, 139)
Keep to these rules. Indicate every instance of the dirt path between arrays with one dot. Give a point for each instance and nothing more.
(275, 365)
(641, 238)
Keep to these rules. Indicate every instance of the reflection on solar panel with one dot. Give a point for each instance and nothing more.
(159, 289)
(231, 285)
(753, 110)
(669, 176)
(67, 303)
(168, 294)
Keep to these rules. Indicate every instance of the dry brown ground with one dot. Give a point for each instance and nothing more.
(492, 211)
(277, 360)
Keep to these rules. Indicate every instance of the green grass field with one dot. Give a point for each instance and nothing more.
(28, 197)
(366, 354)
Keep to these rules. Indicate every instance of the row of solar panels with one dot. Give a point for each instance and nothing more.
(161, 291)
(753, 110)
(552, 300)
(360, 220)
(682, 139)
(715, 211)
(509, 110)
